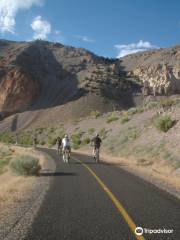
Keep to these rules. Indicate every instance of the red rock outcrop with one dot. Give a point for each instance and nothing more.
(17, 90)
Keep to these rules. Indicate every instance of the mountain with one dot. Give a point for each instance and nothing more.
(39, 74)
(48, 82)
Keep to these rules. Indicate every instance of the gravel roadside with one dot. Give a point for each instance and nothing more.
(24, 198)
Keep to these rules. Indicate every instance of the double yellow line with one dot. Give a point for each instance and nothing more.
(115, 201)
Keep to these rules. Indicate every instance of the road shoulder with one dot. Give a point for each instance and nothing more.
(21, 197)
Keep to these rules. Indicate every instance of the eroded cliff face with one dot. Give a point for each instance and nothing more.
(159, 69)
(17, 90)
(160, 77)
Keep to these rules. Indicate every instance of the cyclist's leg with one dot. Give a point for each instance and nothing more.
(63, 154)
(97, 154)
(94, 152)
(66, 154)
(69, 153)
(58, 150)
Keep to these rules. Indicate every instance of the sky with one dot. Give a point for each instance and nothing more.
(110, 28)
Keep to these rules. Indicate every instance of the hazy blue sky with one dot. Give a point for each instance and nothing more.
(107, 27)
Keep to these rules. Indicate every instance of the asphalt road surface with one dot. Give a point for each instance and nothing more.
(102, 202)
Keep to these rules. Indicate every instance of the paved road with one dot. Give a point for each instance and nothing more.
(78, 207)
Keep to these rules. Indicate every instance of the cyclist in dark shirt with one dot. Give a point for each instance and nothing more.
(96, 141)
(59, 145)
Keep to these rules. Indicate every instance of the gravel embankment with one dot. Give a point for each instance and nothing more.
(18, 212)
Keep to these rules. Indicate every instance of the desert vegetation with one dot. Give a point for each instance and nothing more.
(5, 158)
(137, 131)
(18, 163)
(25, 165)
(163, 123)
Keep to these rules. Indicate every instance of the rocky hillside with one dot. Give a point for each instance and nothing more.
(160, 69)
(47, 82)
(38, 75)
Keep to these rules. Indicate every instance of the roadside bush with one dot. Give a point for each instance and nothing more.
(85, 141)
(25, 165)
(39, 130)
(103, 133)
(132, 111)
(76, 140)
(7, 137)
(61, 133)
(3, 163)
(163, 123)
(51, 141)
(26, 140)
(42, 143)
(91, 131)
(111, 118)
(95, 114)
(125, 118)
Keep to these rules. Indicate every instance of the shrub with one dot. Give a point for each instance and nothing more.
(167, 102)
(51, 130)
(151, 105)
(133, 134)
(26, 139)
(39, 130)
(95, 114)
(125, 118)
(61, 133)
(3, 163)
(7, 137)
(177, 164)
(111, 118)
(76, 140)
(91, 131)
(42, 142)
(163, 123)
(25, 165)
(85, 141)
(51, 141)
(132, 111)
(103, 133)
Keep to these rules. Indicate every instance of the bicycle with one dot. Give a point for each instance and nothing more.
(66, 155)
(96, 154)
(59, 150)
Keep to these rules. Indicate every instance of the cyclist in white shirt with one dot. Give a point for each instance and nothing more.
(66, 147)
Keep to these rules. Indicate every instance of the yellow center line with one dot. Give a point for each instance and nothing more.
(116, 202)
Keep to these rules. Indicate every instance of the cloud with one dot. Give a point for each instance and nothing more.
(9, 10)
(57, 32)
(126, 49)
(41, 28)
(85, 39)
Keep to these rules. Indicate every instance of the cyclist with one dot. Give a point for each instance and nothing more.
(59, 145)
(66, 148)
(96, 146)
(34, 142)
